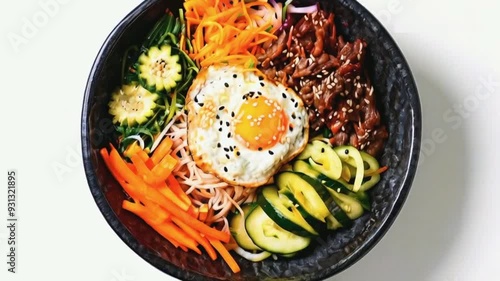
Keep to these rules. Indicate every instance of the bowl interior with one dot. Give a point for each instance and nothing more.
(398, 102)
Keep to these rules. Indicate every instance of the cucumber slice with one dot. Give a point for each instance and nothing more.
(351, 155)
(159, 70)
(305, 168)
(238, 231)
(308, 192)
(270, 237)
(324, 159)
(283, 212)
(348, 204)
(132, 105)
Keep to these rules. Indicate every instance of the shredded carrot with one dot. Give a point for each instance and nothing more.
(378, 171)
(139, 189)
(197, 237)
(141, 212)
(162, 150)
(164, 168)
(157, 182)
(177, 189)
(231, 262)
(223, 29)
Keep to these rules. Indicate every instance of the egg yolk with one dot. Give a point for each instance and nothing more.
(260, 123)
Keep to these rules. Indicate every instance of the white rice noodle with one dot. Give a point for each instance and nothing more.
(201, 187)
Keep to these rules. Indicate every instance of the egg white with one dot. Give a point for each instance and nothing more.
(213, 102)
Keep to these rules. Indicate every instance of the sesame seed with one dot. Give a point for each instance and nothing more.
(260, 148)
(226, 85)
(238, 153)
(344, 109)
(220, 129)
(218, 144)
(350, 110)
(227, 156)
(367, 101)
(271, 152)
(235, 75)
(222, 108)
(262, 84)
(225, 169)
(232, 113)
(284, 95)
(226, 149)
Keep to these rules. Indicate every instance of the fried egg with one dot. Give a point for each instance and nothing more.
(243, 127)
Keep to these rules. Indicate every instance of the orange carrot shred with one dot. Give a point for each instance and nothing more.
(231, 262)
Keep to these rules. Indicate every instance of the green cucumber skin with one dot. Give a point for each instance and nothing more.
(253, 225)
(304, 167)
(280, 218)
(318, 225)
(237, 225)
(361, 196)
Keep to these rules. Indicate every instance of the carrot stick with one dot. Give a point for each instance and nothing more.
(145, 158)
(197, 237)
(166, 229)
(162, 150)
(177, 189)
(231, 262)
(139, 189)
(203, 212)
(378, 171)
(136, 209)
(144, 172)
(164, 168)
(169, 229)
(154, 180)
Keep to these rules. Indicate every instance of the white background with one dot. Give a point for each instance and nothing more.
(448, 229)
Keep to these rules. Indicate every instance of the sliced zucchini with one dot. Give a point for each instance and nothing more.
(279, 208)
(238, 231)
(361, 196)
(306, 153)
(132, 105)
(306, 191)
(159, 70)
(351, 155)
(324, 159)
(270, 237)
(348, 204)
(304, 167)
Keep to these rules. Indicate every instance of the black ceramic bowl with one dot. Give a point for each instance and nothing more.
(398, 101)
